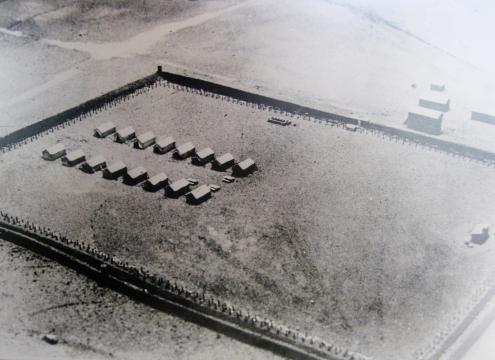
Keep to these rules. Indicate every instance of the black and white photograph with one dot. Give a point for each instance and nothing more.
(247, 179)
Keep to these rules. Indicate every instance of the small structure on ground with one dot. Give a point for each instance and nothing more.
(135, 176)
(480, 233)
(145, 140)
(114, 170)
(203, 156)
(351, 127)
(228, 179)
(51, 339)
(278, 121)
(243, 168)
(214, 188)
(437, 87)
(125, 134)
(54, 152)
(435, 101)
(199, 195)
(156, 182)
(223, 162)
(177, 188)
(104, 129)
(192, 181)
(164, 144)
(483, 117)
(425, 120)
(94, 164)
(73, 158)
(184, 150)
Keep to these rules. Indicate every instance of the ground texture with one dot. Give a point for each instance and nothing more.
(336, 234)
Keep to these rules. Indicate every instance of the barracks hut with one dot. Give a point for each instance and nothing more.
(114, 170)
(104, 130)
(244, 167)
(223, 162)
(177, 188)
(73, 158)
(164, 144)
(54, 152)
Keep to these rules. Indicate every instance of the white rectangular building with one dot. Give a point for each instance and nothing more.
(425, 120)
(104, 129)
(435, 101)
(54, 152)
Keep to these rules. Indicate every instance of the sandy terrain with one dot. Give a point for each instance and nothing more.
(39, 297)
(301, 241)
(366, 59)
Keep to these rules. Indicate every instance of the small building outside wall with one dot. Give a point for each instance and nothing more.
(164, 144)
(156, 182)
(199, 195)
(244, 167)
(73, 158)
(96, 163)
(223, 162)
(425, 120)
(135, 176)
(435, 101)
(125, 134)
(54, 152)
(483, 117)
(480, 233)
(145, 140)
(203, 156)
(104, 129)
(184, 150)
(177, 188)
(437, 87)
(278, 121)
(114, 170)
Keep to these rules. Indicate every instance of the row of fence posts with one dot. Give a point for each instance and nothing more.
(83, 114)
(455, 321)
(214, 306)
(161, 82)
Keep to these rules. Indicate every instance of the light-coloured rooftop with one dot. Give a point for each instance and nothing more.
(225, 158)
(200, 192)
(136, 172)
(158, 178)
(179, 185)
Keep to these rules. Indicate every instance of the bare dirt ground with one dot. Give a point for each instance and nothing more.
(40, 297)
(301, 241)
(340, 56)
(330, 55)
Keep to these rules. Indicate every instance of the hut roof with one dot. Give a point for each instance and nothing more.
(116, 166)
(481, 228)
(55, 149)
(225, 158)
(435, 97)
(200, 192)
(165, 141)
(145, 137)
(427, 113)
(125, 132)
(105, 127)
(185, 148)
(158, 178)
(136, 172)
(179, 185)
(75, 155)
(96, 160)
(246, 164)
(204, 153)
